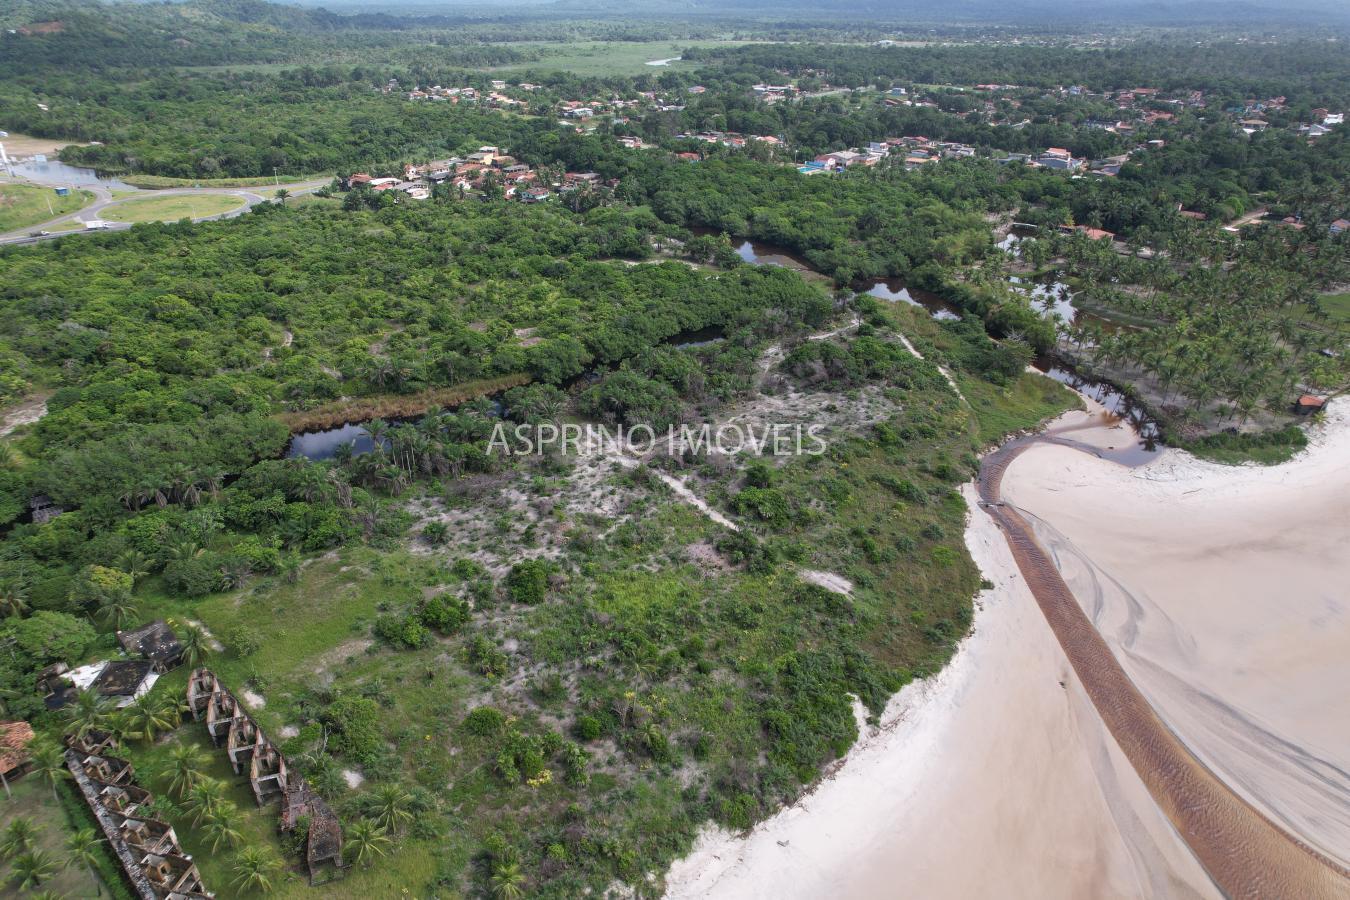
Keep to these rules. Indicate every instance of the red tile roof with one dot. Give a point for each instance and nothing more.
(14, 739)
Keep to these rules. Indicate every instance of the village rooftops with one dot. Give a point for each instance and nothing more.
(155, 642)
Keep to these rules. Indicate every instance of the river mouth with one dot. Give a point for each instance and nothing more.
(1144, 443)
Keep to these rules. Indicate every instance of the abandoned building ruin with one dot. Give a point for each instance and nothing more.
(249, 750)
(147, 848)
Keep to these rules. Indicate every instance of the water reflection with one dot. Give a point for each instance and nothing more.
(1147, 442)
(321, 445)
(895, 290)
(57, 173)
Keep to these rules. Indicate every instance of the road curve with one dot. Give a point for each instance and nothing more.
(1245, 853)
(103, 199)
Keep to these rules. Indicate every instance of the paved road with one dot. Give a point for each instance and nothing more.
(103, 200)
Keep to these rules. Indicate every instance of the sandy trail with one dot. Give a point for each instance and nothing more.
(24, 413)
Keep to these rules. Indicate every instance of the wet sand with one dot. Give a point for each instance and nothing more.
(994, 779)
(1223, 594)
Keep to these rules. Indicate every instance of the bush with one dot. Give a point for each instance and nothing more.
(444, 612)
(485, 721)
(766, 504)
(195, 576)
(47, 637)
(528, 581)
(355, 726)
(588, 728)
(402, 630)
(243, 640)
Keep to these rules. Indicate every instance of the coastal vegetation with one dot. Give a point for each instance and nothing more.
(543, 674)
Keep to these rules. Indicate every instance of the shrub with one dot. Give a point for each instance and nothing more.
(355, 726)
(444, 612)
(485, 721)
(588, 728)
(243, 640)
(766, 504)
(528, 581)
(195, 576)
(47, 637)
(402, 630)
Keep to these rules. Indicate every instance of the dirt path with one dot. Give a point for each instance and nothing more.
(1245, 853)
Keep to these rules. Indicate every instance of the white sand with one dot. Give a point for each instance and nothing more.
(1225, 593)
(994, 778)
(1224, 590)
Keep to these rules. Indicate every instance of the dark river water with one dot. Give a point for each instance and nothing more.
(1049, 297)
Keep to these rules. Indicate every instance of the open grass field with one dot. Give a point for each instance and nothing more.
(609, 57)
(172, 207)
(32, 798)
(24, 205)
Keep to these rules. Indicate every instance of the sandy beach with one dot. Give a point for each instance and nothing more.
(1216, 588)
(1225, 594)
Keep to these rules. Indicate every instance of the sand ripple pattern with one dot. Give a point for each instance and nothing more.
(1246, 854)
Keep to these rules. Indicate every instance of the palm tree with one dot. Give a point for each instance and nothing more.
(134, 563)
(195, 647)
(53, 895)
(32, 867)
(49, 762)
(118, 610)
(204, 799)
(366, 841)
(253, 869)
(89, 712)
(185, 768)
(13, 598)
(391, 807)
(18, 837)
(146, 717)
(507, 881)
(223, 828)
(83, 849)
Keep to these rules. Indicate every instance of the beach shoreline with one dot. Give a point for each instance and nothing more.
(904, 812)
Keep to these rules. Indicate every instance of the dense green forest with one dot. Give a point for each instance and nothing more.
(167, 365)
(543, 675)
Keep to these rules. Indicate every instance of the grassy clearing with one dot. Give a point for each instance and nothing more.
(609, 57)
(152, 182)
(172, 207)
(24, 205)
(1002, 409)
(1338, 305)
(32, 798)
